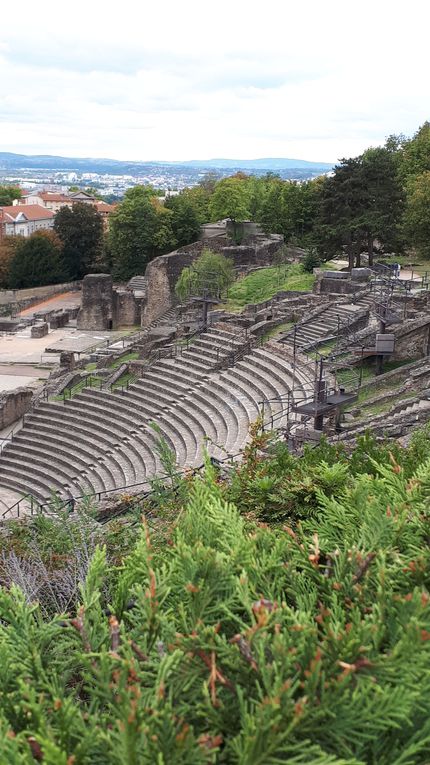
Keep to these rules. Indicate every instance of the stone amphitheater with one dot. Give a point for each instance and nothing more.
(100, 441)
(201, 393)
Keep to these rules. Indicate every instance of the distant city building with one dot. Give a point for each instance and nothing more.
(24, 220)
(54, 200)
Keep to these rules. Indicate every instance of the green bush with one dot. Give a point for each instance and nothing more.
(219, 638)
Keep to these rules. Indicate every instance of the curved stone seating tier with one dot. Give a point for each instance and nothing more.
(101, 441)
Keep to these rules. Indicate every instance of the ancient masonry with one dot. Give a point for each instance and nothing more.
(148, 297)
(202, 392)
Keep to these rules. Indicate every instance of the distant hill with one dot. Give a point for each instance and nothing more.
(10, 161)
(268, 163)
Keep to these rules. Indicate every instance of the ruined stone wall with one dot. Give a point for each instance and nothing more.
(125, 309)
(413, 342)
(163, 272)
(30, 295)
(13, 404)
(97, 302)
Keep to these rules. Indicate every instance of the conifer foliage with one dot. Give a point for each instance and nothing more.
(236, 642)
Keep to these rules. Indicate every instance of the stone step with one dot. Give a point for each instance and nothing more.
(64, 427)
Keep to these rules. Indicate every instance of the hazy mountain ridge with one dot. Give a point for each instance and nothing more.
(12, 161)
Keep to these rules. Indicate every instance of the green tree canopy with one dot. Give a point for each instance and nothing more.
(415, 154)
(139, 230)
(340, 223)
(8, 194)
(185, 219)
(417, 213)
(37, 261)
(231, 199)
(384, 202)
(211, 272)
(80, 228)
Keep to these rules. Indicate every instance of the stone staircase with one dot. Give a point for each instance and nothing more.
(101, 441)
(326, 324)
(401, 416)
(137, 284)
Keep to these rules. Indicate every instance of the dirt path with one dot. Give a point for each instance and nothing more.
(57, 301)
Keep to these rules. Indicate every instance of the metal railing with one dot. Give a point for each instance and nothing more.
(29, 505)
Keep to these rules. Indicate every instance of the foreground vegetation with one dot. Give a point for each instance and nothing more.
(281, 615)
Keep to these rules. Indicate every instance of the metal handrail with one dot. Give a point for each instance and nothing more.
(37, 507)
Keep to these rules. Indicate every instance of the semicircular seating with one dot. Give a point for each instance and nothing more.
(101, 441)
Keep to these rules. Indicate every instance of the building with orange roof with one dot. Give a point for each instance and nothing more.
(25, 219)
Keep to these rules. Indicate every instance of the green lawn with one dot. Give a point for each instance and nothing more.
(263, 284)
(281, 328)
(123, 359)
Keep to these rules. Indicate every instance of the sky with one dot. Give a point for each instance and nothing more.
(170, 80)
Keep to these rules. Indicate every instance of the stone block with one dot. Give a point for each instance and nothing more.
(335, 275)
(67, 360)
(361, 274)
(97, 303)
(13, 404)
(59, 320)
(39, 330)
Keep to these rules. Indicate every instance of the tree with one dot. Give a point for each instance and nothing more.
(211, 272)
(272, 210)
(139, 230)
(37, 261)
(415, 154)
(384, 200)
(231, 199)
(340, 222)
(417, 213)
(81, 231)
(185, 220)
(8, 194)
(8, 245)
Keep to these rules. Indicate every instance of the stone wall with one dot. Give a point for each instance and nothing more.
(161, 276)
(97, 302)
(125, 309)
(34, 294)
(104, 307)
(163, 272)
(412, 340)
(13, 404)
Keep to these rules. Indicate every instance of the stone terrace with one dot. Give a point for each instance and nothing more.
(101, 441)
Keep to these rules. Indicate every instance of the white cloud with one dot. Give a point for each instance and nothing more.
(196, 80)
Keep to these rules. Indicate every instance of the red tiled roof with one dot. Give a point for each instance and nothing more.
(31, 212)
(52, 196)
(104, 207)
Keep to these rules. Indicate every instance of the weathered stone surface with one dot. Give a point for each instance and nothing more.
(360, 274)
(39, 330)
(97, 302)
(67, 360)
(59, 319)
(13, 404)
(125, 309)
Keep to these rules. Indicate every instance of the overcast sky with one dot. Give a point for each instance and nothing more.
(191, 79)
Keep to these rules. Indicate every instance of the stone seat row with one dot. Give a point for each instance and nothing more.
(101, 441)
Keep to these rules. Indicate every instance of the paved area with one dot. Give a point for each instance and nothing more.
(21, 348)
(10, 382)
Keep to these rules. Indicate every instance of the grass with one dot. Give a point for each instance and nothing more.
(124, 359)
(281, 328)
(89, 381)
(263, 284)
(123, 380)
